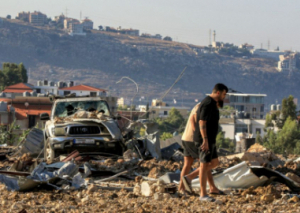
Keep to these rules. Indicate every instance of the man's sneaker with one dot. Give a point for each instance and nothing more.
(187, 184)
(206, 198)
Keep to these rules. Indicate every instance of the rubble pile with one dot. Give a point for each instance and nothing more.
(129, 183)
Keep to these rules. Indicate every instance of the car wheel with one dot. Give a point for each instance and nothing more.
(49, 153)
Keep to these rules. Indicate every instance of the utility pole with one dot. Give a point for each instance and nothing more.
(209, 35)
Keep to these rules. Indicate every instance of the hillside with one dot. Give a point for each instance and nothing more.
(100, 59)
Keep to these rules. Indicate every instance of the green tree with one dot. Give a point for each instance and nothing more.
(12, 74)
(258, 138)
(166, 135)
(175, 118)
(23, 72)
(288, 109)
(269, 122)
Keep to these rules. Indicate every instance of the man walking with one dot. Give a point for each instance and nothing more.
(206, 130)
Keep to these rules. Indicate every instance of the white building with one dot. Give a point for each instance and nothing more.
(87, 24)
(82, 90)
(287, 62)
(123, 101)
(233, 126)
(267, 53)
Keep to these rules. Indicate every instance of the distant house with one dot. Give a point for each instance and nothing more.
(267, 53)
(37, 18)
(246, 46)
(73, 26)
(59, 19)
(87, 24)
(287, 62)
(82, 90)
(17, 90)
(23, 16)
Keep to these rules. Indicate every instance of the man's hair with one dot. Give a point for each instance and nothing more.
(220, 87)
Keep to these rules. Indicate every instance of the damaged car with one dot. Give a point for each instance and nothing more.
(81, 123)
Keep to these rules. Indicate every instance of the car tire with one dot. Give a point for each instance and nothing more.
(49, 153)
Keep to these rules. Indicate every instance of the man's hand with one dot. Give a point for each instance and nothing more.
(204, 146)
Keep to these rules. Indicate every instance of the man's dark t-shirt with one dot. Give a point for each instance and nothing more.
(208, 111)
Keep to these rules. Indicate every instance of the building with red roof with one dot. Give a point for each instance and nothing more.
(18, 89)
(82, 90)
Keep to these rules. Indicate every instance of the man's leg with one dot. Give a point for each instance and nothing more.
(214, 163)
(187, 165)
(203, 178)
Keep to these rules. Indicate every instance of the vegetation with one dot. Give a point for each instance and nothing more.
(12, 74)
(173, 123)
(222, 142)
(9, 136)
(287, 139)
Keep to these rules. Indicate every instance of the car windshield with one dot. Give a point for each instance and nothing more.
(63, 109)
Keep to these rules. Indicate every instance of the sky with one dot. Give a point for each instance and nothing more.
(235, 21)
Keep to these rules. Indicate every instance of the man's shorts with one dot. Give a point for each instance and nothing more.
(190, 149)
(206, 157)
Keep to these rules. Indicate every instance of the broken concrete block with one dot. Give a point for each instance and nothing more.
(85, 199)
(137, 189)
(158, 196)
(267, 198)
(294, 199)
(147, 189)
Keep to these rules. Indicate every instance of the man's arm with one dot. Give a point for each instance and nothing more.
(202, 126)
(192, 121)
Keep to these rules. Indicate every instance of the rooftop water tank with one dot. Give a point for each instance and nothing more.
(273, 107)
(33, 94)
(278, 107)
(26, 94)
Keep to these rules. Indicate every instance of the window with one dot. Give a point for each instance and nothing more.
(93, 94)
(67, 92)
(165, 112)
(38, 90)
(258, 130)
(241, 128)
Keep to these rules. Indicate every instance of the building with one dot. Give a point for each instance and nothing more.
(163, 111)
(267, 53)
(50, 87)
(87, 24)
(233, 126)
(23, 16)
(246, 105)
(160, 109)
(123, 101)
(18, 90)
(246, 46)
(24, 110)
(287, 62)
(1, 21)
(82, 90)
(60, 19)
(73, 26)
(37, 18)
